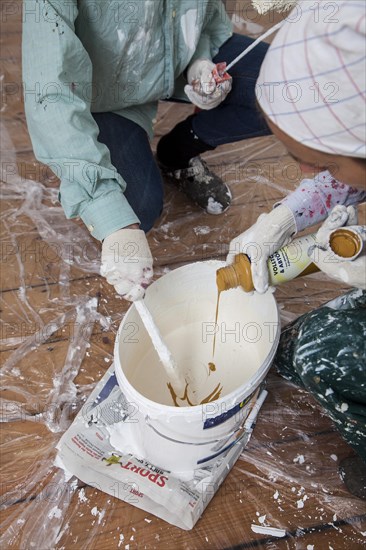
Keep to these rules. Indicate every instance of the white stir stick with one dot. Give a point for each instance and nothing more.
(170, 366)
(254, 44)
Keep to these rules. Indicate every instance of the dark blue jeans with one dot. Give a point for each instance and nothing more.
(234, 119)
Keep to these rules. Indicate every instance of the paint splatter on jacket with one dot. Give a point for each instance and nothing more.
(82, 56)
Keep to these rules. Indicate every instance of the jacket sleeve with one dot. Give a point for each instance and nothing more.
(216, 30)
(57, 85)
(313, 200)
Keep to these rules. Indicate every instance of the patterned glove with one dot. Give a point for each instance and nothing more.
(203, 90)
(127, 263)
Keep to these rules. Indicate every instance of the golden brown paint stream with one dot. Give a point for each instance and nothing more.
(212, 366)
(216, 317)
(215, 394)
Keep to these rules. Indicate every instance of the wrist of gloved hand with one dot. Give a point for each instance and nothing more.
(127, 263)
(202, 89)
(270, 232)
(350, 270)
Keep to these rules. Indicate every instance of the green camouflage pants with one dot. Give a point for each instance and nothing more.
(324, 352)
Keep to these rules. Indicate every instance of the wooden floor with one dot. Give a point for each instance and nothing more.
(288, 475)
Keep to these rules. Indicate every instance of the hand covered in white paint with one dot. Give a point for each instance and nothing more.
(127, 263)
(351, 271)
(203, 90)
(269, 233)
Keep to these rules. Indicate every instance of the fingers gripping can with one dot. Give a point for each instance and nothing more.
(289, 262)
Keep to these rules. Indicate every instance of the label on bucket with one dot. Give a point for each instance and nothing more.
(213, 408)
(248, 409)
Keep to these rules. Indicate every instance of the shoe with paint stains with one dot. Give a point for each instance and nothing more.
(201, 185)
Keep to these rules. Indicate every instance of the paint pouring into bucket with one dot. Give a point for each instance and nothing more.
(174, 435)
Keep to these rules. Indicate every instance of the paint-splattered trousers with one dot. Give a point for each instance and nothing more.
(324, 352)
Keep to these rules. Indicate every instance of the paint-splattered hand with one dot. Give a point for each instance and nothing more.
(269, 233)
(208, 84)
(127, 263)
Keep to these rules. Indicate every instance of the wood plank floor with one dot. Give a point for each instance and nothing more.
(287, 477)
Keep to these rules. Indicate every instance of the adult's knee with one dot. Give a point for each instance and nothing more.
(323, 350)
(331, 342)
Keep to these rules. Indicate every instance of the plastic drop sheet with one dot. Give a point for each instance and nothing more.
(58, 324)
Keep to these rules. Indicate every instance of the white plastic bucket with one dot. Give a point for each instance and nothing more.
(183, 305)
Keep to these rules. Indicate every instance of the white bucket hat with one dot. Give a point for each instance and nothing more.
(312, 81)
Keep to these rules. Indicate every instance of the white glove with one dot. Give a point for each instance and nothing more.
(269, 233)
(202, 90)
(351, 271)
(127, 263)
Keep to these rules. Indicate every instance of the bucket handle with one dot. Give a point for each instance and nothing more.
(226, 437)
(258, 397)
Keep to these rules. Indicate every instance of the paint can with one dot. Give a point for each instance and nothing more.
(291, 261)
(183, 304)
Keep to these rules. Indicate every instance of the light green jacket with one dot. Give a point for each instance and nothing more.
(88, 56)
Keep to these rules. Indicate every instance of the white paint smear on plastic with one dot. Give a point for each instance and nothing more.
(265, 530)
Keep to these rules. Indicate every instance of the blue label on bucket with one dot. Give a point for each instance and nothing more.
(220, 418)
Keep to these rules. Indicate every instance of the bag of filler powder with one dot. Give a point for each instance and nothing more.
(85, 451)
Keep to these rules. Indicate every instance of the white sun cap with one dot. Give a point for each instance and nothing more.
(312, 81)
